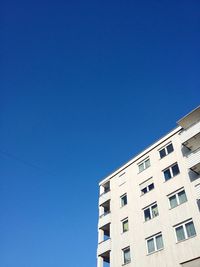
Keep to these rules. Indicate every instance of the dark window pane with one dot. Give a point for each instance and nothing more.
(170, 148)
(124, 200)
(127, 256)
(167, 174)
(151, 186)
(144, 190)
(175, 170)
(147, 214)
(162, 153)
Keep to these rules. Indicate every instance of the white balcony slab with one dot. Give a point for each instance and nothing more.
(104, 219)
(104, 197)
(104, 247)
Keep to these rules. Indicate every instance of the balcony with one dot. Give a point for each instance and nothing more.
(189, 135)
(193, 160)
(190, 119)
(105, 196)
(104, 219)
(104, 247)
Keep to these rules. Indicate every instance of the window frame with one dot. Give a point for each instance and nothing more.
(183, 224)
(151, 212)
(125, 220)
(169, 168)
(143, 163)
(176, 194)
(121, 198)
(156, 249)
(124, 250)
(166, 150)
(147, 187)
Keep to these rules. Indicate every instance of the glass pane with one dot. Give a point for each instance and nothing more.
(151, 186)
(147, 163)
(175, 170)
(167, 175)
(141, 167)
(182, 197)
(125, 226)
(170, 148)
(144, 190)
(147, 214)
(180, 233)
(159, 242)
(173, 201)
(124, 200)
(162, 153)
(150, 245)
(190, 229)
(127, 256)
(154, 209)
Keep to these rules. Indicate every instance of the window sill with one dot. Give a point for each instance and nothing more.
(124, 264)
(178, 205)
(143, 170)
(185, 239)
(124, 232)
(166, 155)
(146, 193)
(155, 252)
(123, 206)
(104, 241)
(151, 219)
(171, 178)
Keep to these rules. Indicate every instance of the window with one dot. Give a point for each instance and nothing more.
(177, 198)
(166, 150)
(105, 208)
(144, 165)
(123, 200)
(147, 186)
(154, 243)
(125, 225)
(151, 212)
(197, 188)
(126, 255)
(171, 172)
(105, 188)
(185, 230)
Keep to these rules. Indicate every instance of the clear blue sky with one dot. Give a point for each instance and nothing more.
(85, 85)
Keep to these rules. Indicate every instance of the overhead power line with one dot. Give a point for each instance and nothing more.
(25, 162)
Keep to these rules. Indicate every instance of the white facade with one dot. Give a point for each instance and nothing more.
(149, 210)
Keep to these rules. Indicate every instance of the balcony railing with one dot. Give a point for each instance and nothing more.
(105, 191)
(104, 197)
(104, 246)
(104, 218)
(104, 214)
(187, 134)
(193, 158)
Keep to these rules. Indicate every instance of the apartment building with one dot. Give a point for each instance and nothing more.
(149, 209)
